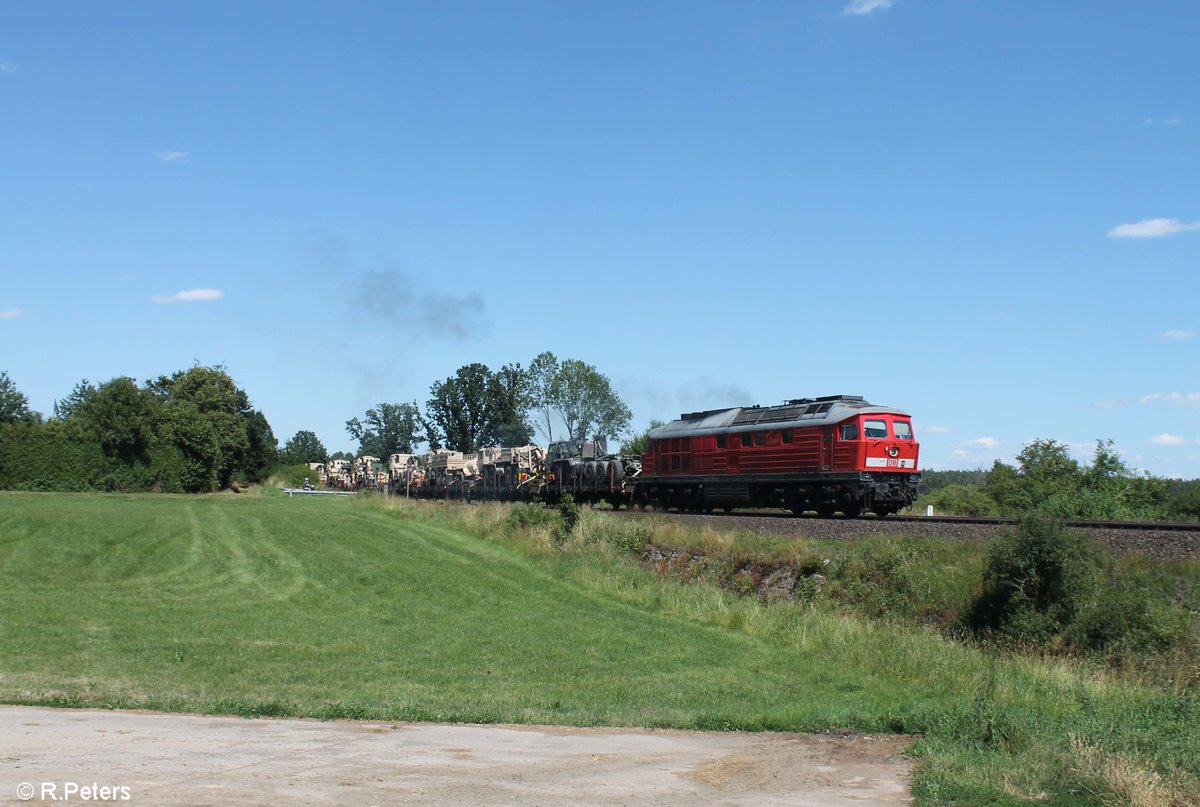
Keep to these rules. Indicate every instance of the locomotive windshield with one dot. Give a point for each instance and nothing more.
(903, 430)
(875, 429)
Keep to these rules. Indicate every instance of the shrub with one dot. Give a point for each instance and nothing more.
(885, 577)
(293, 476)
(568, 510)
(963, 500)
(1034, 582)
(1124, 615)
(629, 538)
(531, 517)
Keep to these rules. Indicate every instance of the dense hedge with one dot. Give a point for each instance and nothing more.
(189, 432)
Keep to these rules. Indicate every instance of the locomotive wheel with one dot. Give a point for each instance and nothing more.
(826, 510)
(853, 511)
(883, 512)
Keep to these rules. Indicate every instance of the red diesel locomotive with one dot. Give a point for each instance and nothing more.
(830, 454)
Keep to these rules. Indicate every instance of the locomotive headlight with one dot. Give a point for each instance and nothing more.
(893, 451)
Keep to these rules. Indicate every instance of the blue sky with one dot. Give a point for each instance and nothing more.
(984, 213)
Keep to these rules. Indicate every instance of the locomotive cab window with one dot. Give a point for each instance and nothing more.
(720, 441)
(787, 437)
(760, 438)
(875, 429)
(903, 430)
(849, 431)
(746, 439)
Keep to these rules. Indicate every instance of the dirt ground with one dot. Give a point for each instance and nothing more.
(159, 759)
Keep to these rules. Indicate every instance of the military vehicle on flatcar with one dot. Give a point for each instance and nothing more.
(585, 470)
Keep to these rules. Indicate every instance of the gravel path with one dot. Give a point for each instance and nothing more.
(174, 760)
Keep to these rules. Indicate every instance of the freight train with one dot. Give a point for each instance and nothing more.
(826, 455)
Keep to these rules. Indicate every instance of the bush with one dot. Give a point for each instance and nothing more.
(531, 517)
(1124, 616)
(1047, 586)
(626, 536)
(568, 510)
(293, 476)
(885, 577)
(963, 500)
(1034, 583)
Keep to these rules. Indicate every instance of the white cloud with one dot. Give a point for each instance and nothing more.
(8, 68)
(1172, 398)
(984, 442)
(189, 296)
(1167, 440)
(11, 313)
(860, 7)
(1174, 120)
(935, 429)
(1176, 335)
(173, 156)
(1152, 228)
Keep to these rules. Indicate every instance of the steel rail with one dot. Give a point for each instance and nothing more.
(1132, 526)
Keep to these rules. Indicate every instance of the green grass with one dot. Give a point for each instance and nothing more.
(337, 607)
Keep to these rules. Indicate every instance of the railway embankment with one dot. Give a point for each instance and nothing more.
(1160, 544)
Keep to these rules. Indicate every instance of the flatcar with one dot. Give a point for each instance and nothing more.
(836, 453)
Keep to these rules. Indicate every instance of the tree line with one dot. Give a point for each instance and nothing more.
(195, 430)
(548, 400)
(1048, 480)
(191, 431)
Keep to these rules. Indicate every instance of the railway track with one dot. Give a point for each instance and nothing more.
(1157, 539)
(1159, 526)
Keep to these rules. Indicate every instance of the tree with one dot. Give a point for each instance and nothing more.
(119, 413)
(79, 395)
(387, 429)
(636, 446)
(303, 447)
(203, 415)
(583, 397)
(14, 405)
(460, 407)
(1118, 491)
(509, 400)
(542, 377)
(1049, 480)
(477, 407)
(262, 451)
(577, 394)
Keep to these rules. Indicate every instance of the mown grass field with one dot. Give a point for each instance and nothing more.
(333, 607)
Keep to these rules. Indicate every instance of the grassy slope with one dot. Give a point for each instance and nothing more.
(329, 608)
(321, 607)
